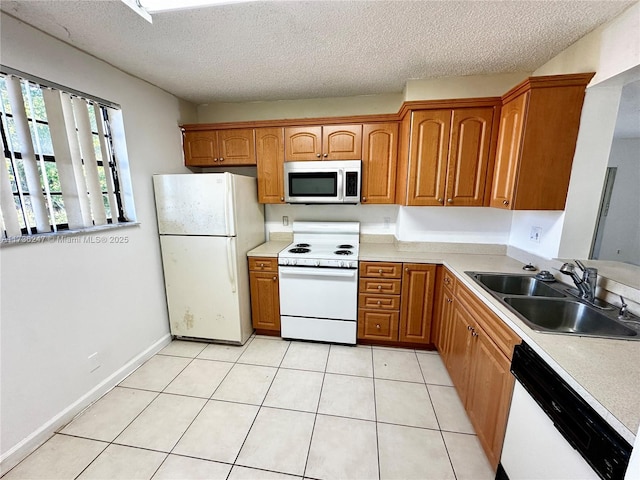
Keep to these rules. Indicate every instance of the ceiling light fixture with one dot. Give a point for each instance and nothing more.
(137, 7)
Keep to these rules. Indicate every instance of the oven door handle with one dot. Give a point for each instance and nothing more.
(317, 272)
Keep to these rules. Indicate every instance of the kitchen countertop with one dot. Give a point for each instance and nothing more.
(604, 371)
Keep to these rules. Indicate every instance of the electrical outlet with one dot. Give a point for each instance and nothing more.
(285, 220)
(535, 234)
(94, 362)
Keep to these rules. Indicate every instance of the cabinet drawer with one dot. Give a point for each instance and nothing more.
(263, 264)
(448, 280)
(504, 338)
(377, 325)
(379, 302)
(380, 270)
(389, 287)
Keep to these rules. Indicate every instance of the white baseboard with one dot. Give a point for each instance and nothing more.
(17, 453)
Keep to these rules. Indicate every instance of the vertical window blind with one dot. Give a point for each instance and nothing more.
(61, 169)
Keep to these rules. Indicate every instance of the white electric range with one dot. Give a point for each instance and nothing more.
(319, 282)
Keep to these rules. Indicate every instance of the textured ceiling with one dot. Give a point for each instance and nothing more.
(295, 49)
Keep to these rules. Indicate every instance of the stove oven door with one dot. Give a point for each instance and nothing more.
(319, 303)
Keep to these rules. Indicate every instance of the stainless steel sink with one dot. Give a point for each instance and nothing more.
(567, 316)
(516, 285)
(550, 308)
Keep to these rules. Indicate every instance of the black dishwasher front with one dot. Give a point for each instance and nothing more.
(598, 443)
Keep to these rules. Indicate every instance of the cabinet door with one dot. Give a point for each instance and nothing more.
(508, 151)
(236, 147)
(270, 160)
(469, 156)
(265, 302)
(200, 149)
(302, 143)
(379, 162)
(342, 142)
(457, 360)
(489, 394)
(430, 131)
(418, 283)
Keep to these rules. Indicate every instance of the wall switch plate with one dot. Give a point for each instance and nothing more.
(535, 234)
(285, 220)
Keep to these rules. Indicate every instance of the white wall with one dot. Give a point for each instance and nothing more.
(61, 302)
(608, 51)
(621, 235)
(463, 87)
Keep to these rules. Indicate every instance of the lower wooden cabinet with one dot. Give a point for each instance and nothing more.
(477, 354)
(418, 285)
(443, 309)
(265, 294)
(396, 302)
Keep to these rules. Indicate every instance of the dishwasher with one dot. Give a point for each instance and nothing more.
(552, 433)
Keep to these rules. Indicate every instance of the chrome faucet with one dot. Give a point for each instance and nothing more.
(587, 284)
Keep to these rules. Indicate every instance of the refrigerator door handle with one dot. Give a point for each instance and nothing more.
(230, 263)
(228, 207)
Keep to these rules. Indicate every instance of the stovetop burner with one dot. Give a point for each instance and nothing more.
(344, 246)
(343, 252)
(299, 250)
(302, 245)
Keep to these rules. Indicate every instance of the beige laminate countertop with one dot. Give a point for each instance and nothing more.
(605, 372)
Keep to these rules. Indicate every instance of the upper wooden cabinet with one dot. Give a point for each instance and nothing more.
(449, 157)
(214, 148)
(379, 162)
(537, 138)
(270, 160)
(332, 142)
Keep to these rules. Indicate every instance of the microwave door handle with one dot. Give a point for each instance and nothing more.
(340, 187)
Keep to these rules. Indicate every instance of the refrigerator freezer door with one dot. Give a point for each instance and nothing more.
(192, 204)
(201, 282)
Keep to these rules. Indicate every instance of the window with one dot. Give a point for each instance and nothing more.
(61, 167)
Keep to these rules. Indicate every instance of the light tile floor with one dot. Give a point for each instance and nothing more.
(271, 409)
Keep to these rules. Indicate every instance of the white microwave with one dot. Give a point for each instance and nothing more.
(322, 182)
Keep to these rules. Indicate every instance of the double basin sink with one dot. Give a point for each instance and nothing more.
(552, 308)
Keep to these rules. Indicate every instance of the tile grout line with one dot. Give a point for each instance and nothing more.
(259, 408)
(426, 385)
(315, 417)
(375, 413)
(206, 401)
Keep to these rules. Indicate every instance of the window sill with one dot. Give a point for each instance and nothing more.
(91, 235)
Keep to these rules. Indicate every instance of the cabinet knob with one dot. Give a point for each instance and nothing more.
(469, 327)
(364, 199)
(380, 271)
(325, 155)
(215, 159)
(379, 302)
(406, 269)
(282, 199)
(318, 155)
(378, 326)
(262, 265)
(474, 333)
(441, 200)
(379, 287)
(449, 300)
(449, 200)
(275, 278)
(221, 159)
(447, 281)
(505, 202)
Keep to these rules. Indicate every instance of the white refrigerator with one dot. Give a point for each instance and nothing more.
(207, 223)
